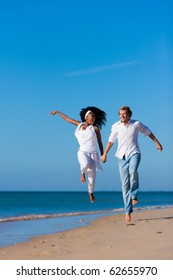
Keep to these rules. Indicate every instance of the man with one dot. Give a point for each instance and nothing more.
(128, 154)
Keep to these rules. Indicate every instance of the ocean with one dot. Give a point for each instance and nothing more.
(27, 214)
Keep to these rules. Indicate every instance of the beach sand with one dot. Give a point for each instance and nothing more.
(149, 236)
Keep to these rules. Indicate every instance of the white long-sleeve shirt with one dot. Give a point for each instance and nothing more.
(127, 137)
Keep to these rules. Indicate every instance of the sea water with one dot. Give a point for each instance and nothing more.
(27, 214)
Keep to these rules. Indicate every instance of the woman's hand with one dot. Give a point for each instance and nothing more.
(52, 113)
(103, 158)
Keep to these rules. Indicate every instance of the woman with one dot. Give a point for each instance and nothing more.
(88, 136)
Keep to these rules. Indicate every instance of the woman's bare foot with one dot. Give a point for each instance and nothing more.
(134, 201)
(127, 218)
(92, 197)
(82, 178)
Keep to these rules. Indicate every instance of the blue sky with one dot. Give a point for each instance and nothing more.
(66, 55)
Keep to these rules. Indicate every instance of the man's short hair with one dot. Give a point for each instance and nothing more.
(127, 109)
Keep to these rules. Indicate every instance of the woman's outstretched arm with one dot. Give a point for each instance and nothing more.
(66, 118)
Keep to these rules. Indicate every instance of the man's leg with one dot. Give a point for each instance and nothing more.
(134, 179)
(125, 180)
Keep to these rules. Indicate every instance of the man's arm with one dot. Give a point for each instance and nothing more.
(158, 145)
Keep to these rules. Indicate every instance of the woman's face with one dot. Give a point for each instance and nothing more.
(90, 119)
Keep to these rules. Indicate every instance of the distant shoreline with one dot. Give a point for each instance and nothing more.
(84, 191)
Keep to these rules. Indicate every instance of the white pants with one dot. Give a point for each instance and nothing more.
(88, 163)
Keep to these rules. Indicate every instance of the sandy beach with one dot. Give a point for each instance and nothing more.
(148, 237)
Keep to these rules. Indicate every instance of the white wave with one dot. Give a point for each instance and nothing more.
(72, 214)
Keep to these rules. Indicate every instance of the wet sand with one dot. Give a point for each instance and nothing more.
(149, 236)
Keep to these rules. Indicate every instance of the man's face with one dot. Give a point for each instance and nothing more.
(124, 116)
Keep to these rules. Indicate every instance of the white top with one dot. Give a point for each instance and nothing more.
(87, 138)
(127, 137)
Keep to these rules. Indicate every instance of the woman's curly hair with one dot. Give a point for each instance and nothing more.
(100, 116)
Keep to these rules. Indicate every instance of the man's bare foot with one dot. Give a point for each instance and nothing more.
(134, 201)
(127, 218)
(92, 197)
(82, 178)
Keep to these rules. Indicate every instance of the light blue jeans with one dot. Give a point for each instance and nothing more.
(129, 179)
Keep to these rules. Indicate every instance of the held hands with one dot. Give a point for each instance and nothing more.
(103, 158)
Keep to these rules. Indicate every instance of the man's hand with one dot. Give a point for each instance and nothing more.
(159, 146)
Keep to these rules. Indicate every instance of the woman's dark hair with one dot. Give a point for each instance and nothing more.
(100, 116)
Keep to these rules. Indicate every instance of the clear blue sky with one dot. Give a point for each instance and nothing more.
(66, 55)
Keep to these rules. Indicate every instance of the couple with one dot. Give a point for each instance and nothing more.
(125, 131)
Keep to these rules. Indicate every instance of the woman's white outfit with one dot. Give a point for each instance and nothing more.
(87, 153)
